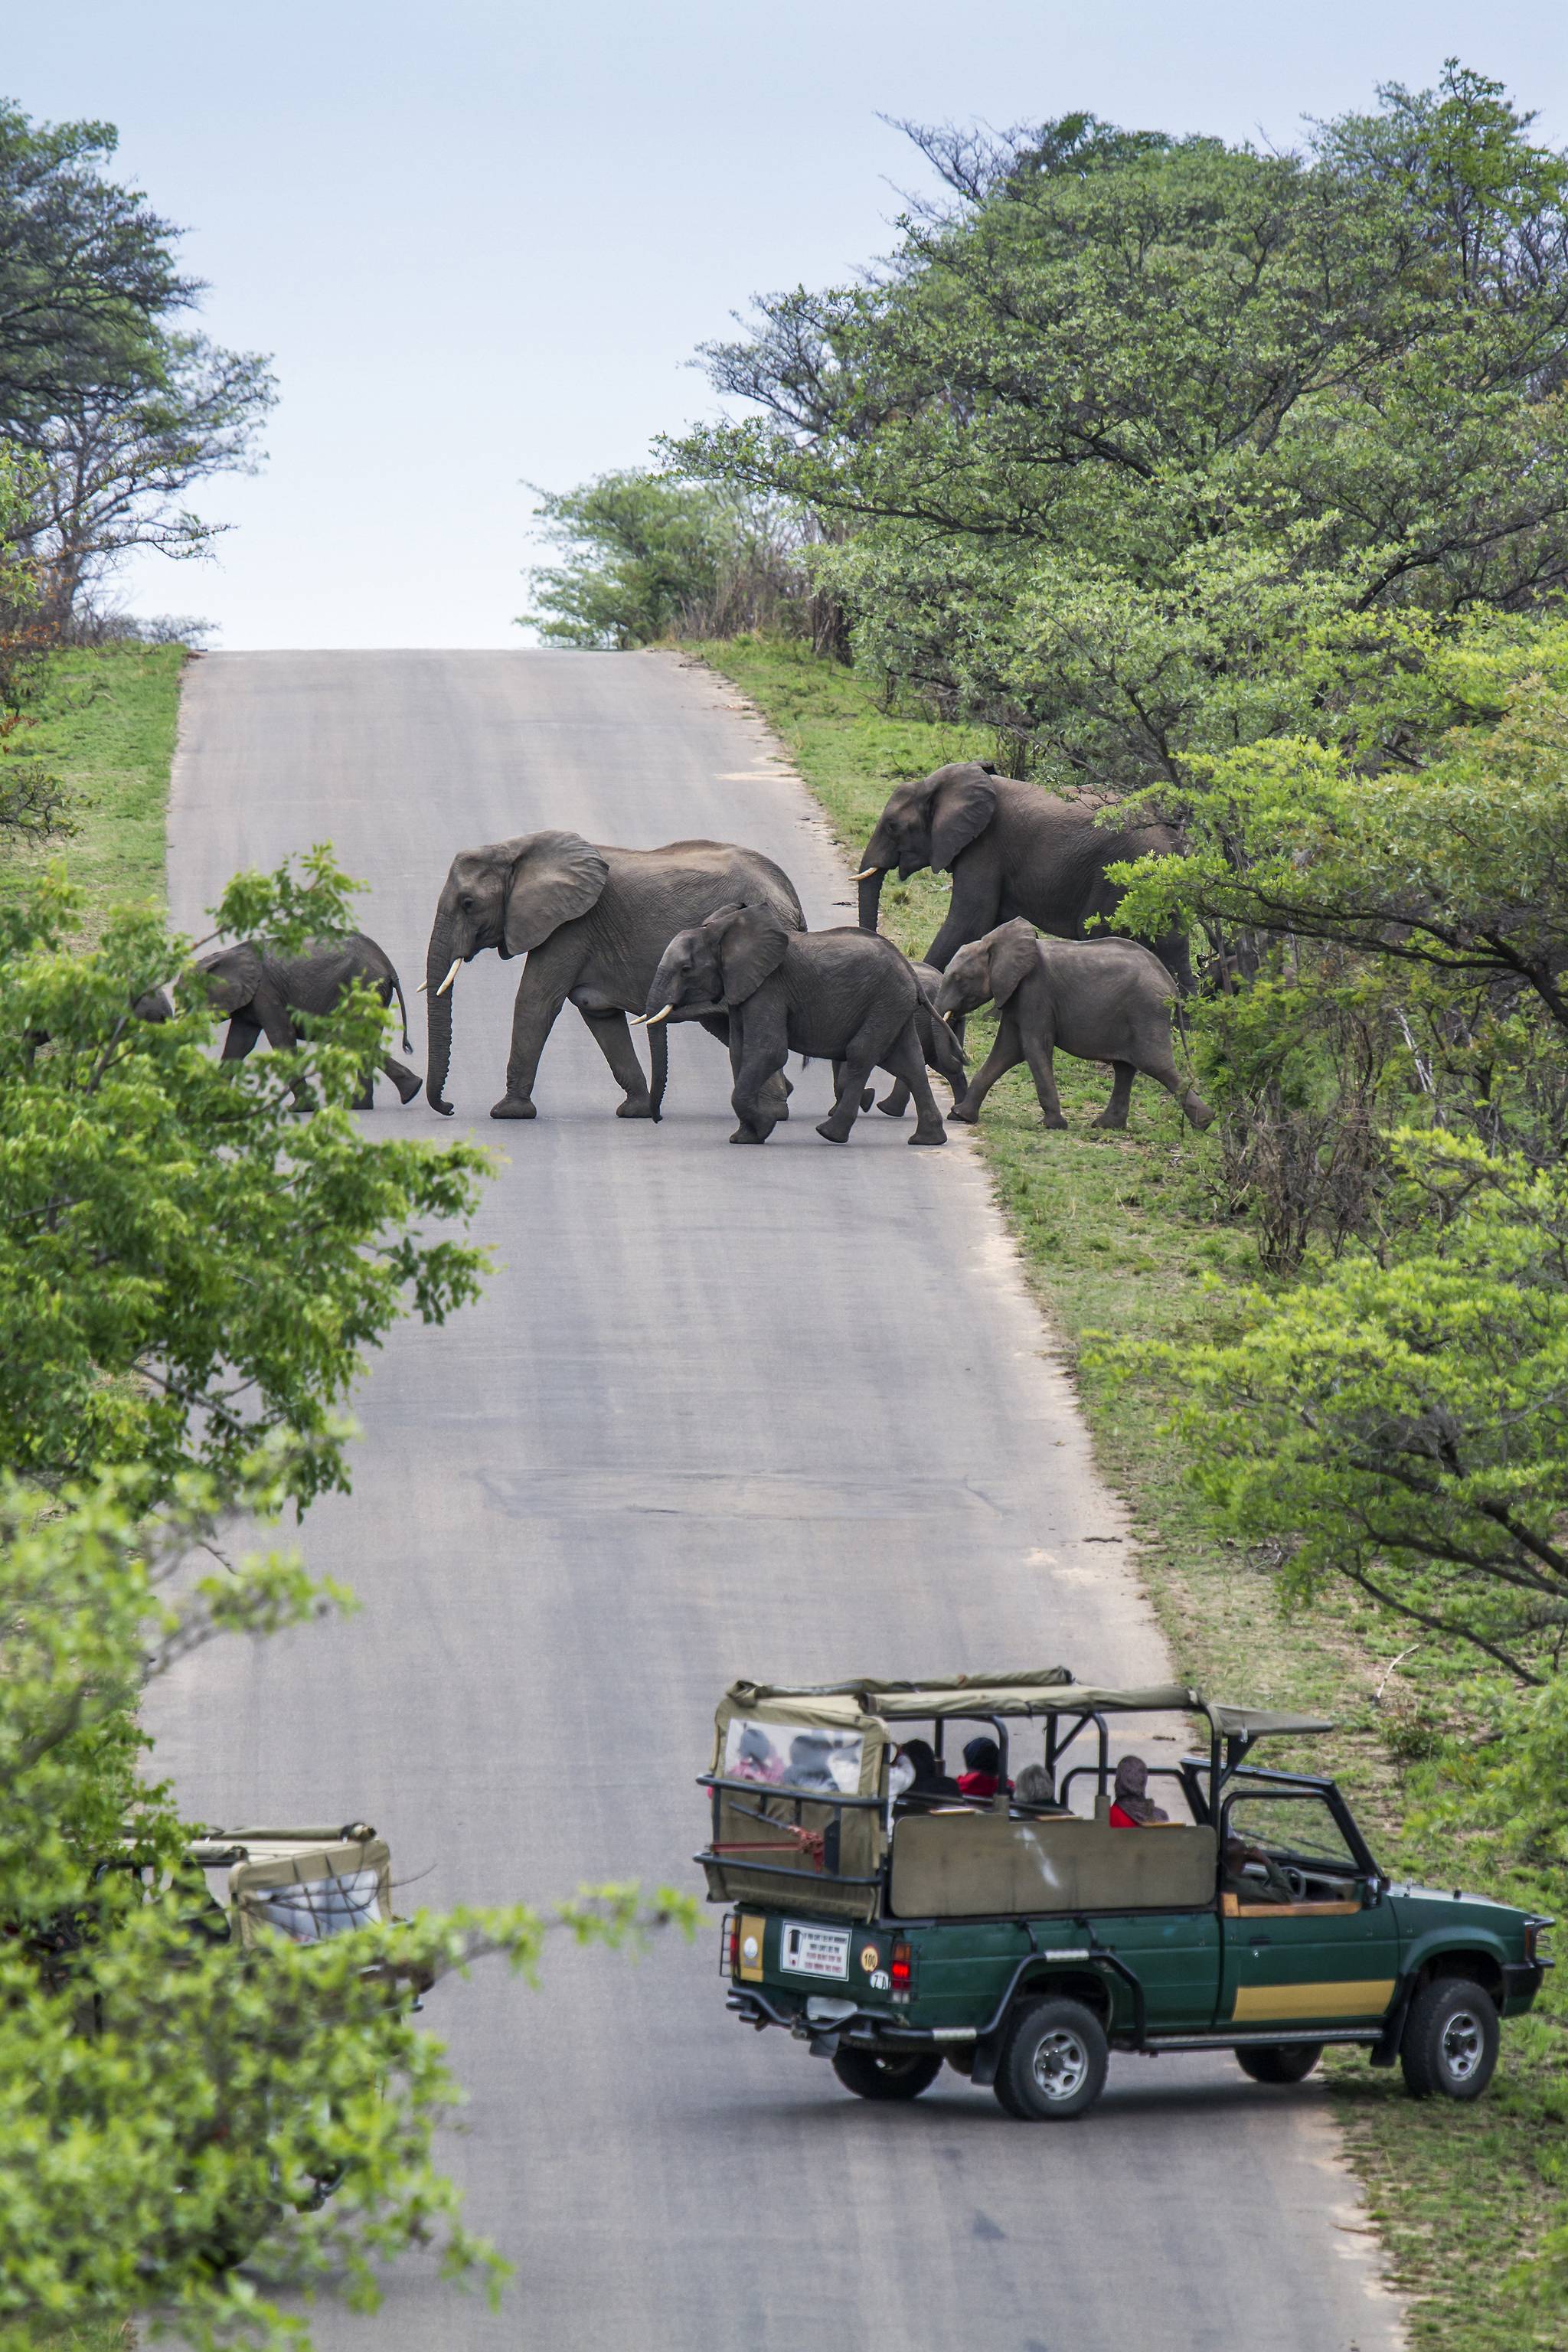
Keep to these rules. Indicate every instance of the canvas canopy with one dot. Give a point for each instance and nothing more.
(865, 1703)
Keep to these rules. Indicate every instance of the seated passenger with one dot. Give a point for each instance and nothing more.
(1034, 1794)
(916, 1776)
(1132, 1806)
(982, 1775)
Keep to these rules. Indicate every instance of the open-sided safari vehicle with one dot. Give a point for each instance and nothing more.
(890, 1930)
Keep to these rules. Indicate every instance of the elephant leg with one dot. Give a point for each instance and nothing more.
(614, 1039)
(1161, 1067)
(777, 1089)
(242, 1036)
(1038, 1053)
(1004, 1055)
(866, 1099)
(540, 993)
(407, 1082)
(751, 1102)
(895, 1102)
(1115, 1111)
(908, 1064)
(850, 1085)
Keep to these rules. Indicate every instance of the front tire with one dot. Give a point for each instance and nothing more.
(1449, 2046)
(1279, 2061)
(1054, 2062)
(881, 2074)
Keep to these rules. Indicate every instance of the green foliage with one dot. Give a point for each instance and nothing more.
(101, 722)
(166, 2100)
(143, 1184)
(648, 558)
(1111, 438)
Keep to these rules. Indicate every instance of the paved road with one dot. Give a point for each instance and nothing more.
(785, 1413)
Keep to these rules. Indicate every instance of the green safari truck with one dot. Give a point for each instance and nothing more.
(892, 1912)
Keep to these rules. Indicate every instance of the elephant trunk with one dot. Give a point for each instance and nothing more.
(444, 950)
(871, 894)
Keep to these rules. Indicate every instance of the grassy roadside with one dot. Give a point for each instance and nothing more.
(1117, 1235)
(104, 723)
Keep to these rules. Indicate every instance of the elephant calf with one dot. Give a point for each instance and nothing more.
(260, 989)
(1101, 1000)
(844, 997)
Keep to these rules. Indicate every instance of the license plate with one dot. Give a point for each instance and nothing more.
(814, 1951)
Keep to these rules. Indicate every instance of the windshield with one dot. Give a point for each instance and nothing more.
(311, 1910)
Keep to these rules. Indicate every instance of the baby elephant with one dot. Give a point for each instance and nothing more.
(1103, 1000)
(260, 989)
(845, 996)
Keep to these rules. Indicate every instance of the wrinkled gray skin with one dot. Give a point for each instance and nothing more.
(262, 989)
(837, 996)
(593, 923)
(1012, 850)
(1102, 999)
(833, 995)
(153, 1005)
(941, 1046)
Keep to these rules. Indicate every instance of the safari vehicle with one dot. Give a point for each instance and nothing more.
(890, 1932)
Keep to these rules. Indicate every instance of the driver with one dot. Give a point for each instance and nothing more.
(1272, 1887)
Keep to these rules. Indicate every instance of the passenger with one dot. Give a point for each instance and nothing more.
(758, 1758)
(808, 1755)
(1132, 1808)
(1033, 1791)
(981, 1777)
(917, 1777)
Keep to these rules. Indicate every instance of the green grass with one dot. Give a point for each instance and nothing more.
(1121, 1235)
(105, 722)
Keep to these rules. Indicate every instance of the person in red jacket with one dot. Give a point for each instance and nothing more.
(1132, 1808)
(982, 1768)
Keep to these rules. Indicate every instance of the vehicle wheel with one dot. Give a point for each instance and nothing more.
(1279, 2061)
(1052, 2062)
(1450, 2040)
(880, 2074)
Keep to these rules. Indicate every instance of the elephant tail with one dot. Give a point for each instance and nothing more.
(407, 1040)
(659, 1048)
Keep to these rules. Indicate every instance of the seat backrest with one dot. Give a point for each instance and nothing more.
(965, 1866)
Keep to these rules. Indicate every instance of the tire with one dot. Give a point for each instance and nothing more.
(1053, 2062)
(880, 2074)
(1279, 2061)
(1449, 2046)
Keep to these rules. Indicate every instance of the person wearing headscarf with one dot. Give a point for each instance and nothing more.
(1132, 1806)
(916, 1776)
(983, 1766)
(1033, 1791)
(758, 1758)
(808, 1767)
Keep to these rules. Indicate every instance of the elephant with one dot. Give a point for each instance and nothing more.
(840, 995)
(1103, 1000)
(593, 923)
(1012, 850)
(942, 1045)
(260, 987)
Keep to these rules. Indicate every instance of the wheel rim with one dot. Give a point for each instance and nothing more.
(1058, 2064)
(1464, 2045)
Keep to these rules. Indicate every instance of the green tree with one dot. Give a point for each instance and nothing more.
(144, 1185)
(1113, 432)
(647, 558)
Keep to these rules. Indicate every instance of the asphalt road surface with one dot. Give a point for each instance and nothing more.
(785, 1413)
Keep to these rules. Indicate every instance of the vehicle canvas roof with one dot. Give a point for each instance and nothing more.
(1043, 1690)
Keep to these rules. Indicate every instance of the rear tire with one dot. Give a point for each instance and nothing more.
(1279, 2061)
(1449, 2045)
(878, 2074)
(1054, 2062)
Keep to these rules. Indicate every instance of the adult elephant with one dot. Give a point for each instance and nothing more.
(593, 923)
(1012, 850)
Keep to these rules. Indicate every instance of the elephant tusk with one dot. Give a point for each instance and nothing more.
(451, 976)
(652, 1020)
(422, 987)
(866, 873)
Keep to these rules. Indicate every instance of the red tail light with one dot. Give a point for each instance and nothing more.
(732, 1934)
(901, 1968)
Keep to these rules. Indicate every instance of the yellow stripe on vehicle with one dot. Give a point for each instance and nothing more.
(1343, 1997)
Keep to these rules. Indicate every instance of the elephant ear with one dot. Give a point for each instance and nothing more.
(1015, 953)
(962, 805)
(751, 942)
(556, 877)
(231, 977)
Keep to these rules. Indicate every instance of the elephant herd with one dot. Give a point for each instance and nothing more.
(710, 932)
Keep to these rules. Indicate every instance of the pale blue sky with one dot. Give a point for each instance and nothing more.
(482, 240)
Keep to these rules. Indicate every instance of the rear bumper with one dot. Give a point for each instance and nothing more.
(863, 2028)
